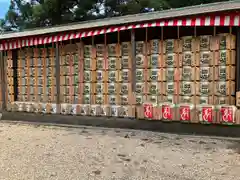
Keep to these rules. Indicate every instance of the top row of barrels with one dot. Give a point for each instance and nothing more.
(154, 46)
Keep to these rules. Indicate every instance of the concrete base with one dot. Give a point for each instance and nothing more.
(169, 127)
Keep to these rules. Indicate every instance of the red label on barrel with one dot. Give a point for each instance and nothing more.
(207, 114)
(166, 112)
(185, 113)
(227, 114)
(148, 110)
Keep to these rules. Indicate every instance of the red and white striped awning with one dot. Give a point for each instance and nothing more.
(223, 20)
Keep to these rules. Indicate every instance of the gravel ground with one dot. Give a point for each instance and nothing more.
(56, 153)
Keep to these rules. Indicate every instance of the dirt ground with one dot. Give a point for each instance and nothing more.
(32, 152)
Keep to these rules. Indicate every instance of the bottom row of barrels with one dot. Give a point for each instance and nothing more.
(223, 114)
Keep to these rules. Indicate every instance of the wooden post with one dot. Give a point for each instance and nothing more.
(133, 54)
(238, 61)
(57, 73)
(3, 79)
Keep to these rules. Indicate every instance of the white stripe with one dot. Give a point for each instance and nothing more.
(179, 23)
(122, 28)
(162, 23)
(54, 39)
(35, 41)
(27, 43)
(45, 40)
(31, 41)
(145, 25)
(217, 21)
(60, 38)
(170, 23)
(130, 27)
(236, 21)
(5, 46)
(108, 30)
(1, 47)
(95, 32)
(89, 33)
(115, 29)
(102, 31)
(10, 45)
(23, 42)
(71, 36)
(50, 39)
(66, 37)
(138, 26)
(78, 35)
(153, 24)
(198, 22)
(207, 21)
(188, 22)
(227, 21)
(83, 34)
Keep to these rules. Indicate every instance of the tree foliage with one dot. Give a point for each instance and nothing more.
(25, 14)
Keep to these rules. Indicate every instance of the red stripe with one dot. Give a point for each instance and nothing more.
(166, 23)
(212, 20)
(202, 21)
(48, 39)
(231, 23)
(38, 40)
(175, 22)
(65, 37)
(222, 20)
(75, 35)
(157, 24)
(17, 43)
(193, 22)
(184, 22)
(60, 37)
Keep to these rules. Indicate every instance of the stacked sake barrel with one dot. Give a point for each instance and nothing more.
(22, 73)
(154, 87)
(187, 64)
(215, 84)
(100, 80)
(141, 73)
(26, 78)
(36, 80)
(225, 60)
(66, 78)
(205, 71)
(71, 78)
(89, 79)
(10, 80)
(125, 79)
(185, 75)
(51, 89)
(170, 71)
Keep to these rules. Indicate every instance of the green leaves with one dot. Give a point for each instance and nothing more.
(39, 13)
